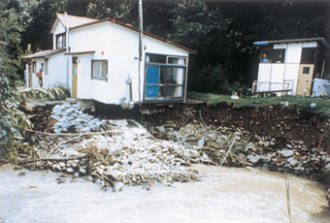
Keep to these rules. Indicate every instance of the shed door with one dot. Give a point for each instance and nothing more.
(152, 81)
(74, 77)
(305, 78)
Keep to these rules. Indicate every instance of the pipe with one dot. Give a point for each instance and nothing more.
(67, 49)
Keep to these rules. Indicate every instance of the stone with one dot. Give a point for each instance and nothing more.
(292, 161)
(82, 170)
(266, 144)
(327, 168)
(254, 159)
(56, 167)
(69, 170)
(286, 152)
(201, 143)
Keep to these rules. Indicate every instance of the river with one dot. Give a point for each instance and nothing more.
(223, 195)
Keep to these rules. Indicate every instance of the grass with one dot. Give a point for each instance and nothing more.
(322, 104)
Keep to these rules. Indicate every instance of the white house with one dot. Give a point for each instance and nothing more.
(99, 60)
(292, 65)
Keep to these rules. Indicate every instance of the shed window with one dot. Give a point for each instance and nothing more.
(60, 41)
(100, 69)
(269, 55)
(308, 55)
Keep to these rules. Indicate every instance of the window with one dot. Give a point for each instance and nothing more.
(308, 55)
(60, 41)
(306, 70)
(165, 76)
(277, 55)
(34, 67)
(269, 55)
(100, 69)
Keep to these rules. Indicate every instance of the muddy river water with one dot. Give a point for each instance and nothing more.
(223, 195)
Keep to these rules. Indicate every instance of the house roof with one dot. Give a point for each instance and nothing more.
(266, 42)
(41, 54)
(73, 20)
(85, 23)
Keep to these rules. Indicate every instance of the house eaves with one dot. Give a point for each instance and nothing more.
(42, 54)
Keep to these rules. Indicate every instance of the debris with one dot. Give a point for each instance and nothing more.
(70, 118)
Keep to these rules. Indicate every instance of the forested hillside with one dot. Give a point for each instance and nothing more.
(222, 32)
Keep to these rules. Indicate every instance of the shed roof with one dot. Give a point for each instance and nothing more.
(266, 42)
(43, 53)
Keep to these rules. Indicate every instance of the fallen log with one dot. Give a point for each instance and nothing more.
(52, 159)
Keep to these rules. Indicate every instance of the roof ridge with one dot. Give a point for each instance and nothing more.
(84, 17)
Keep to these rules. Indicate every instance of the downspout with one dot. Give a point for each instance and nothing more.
(140, 47)
(67, 49)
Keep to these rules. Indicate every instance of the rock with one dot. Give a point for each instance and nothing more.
(69, 170)
(327, 168)
(293, 162)
(22, 173)
(82, 170)
(254, 159)
(201, 143)
(286, 152)
(266, 144)
(118, 186)
(212, 136)
(56, 167)
(161, 129)
(249, 147)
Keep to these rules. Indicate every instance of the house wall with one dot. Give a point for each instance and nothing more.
(55, 74)
(118, 45)
(35, 82)
(59, 28)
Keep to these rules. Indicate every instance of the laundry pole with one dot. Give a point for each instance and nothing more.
(140, 46)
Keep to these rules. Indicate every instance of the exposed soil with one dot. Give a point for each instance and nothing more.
(284, 124)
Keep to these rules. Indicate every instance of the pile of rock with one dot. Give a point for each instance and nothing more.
(130, 157)
(70, 118)
(213, 142)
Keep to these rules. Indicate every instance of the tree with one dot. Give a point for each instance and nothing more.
(10, 31)
(120, 9)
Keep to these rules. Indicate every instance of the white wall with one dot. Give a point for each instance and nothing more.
(59, 28)
(119, 45)
(293, 53)
(56, 71)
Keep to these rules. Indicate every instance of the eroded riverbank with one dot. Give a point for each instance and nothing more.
(222, 195)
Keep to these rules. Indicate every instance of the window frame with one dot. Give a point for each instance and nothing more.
(63, 35)
(164, 85)
(107, 69)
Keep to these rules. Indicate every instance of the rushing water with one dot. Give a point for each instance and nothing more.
(223, 195)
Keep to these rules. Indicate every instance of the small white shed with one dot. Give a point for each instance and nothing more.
(290, 65)
(99, 60)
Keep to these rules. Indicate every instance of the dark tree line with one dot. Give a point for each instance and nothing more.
(222, 32)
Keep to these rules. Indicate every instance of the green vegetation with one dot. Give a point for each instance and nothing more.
(322, 104)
